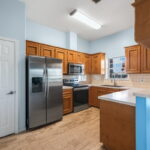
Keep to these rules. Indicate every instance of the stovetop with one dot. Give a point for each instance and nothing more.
(75, 85)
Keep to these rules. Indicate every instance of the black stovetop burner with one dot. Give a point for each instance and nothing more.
(75, 85)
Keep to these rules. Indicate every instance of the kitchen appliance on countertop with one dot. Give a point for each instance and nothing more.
(80, 94)
(44, 91)
(76, 69)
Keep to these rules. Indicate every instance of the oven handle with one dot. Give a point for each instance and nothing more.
(81, 89)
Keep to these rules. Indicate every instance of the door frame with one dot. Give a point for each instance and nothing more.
(16, 68)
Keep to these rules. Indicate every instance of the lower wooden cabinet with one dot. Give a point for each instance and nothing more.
(99, 91)
(67, 101)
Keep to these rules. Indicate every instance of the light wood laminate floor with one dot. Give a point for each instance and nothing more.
(77, 131)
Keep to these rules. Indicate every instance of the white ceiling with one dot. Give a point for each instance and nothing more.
(114, 15)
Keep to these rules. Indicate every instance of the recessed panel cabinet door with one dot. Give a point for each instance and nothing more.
(32, 48)
(62, 54)
(145, 60)
(95, 64)
(71, 56)
(87, 63)
(79, 58)
(133, 59)
(47, 51)
(67, 101)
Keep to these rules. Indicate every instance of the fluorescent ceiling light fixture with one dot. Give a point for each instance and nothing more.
(80, 16)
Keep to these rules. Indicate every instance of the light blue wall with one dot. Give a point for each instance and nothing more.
(12, 25)
(42, 34)
(83, 45)
(71, 40)
(113, 45)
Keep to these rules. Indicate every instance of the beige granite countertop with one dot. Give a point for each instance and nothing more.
(67, 87)
(127, 97)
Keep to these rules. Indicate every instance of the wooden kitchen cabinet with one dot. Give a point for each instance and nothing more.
(117, 126)
(93, 97)
(145, 59)
(87, 64)
(142, 22)
(32, 48)
(67, 101)
(133, 59)
(62, 54)
(71, 56)
(79, 58)
(46, 50)
(99, 91)
(98, 63)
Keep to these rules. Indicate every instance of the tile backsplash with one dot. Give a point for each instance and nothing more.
(134, 80)
(83, 79)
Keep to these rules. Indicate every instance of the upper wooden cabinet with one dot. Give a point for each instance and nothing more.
(94, 63)
(133, 59)
(142, 22)
(71, 56)
(145, 60)
(98, 63)
(32, 48)
(79, 58)
(62, 54)
(46, 50)
(88, 63)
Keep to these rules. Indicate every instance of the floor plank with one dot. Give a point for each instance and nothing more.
(77, 131)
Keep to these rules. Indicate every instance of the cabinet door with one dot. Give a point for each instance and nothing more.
(133, 59)
(32, 48)
(95, 64)
(62, 54)
(98, 63)
(145, 60)
(142, 22)
(67, 101)
(87, 63)
(93, 97)
(47, 51)
(79, 58)
(71, 56)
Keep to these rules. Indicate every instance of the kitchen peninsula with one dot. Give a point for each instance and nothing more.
(117, 119)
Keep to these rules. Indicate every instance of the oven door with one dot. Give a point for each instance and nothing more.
(80, 98)
(76, 69)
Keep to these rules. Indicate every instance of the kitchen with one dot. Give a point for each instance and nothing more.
(95, 63)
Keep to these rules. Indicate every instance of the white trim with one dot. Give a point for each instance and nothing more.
(16, 51)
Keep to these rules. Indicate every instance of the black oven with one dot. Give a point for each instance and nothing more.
(76, 69)
(80, 98)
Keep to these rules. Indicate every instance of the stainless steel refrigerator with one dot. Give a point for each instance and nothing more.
(44, 91)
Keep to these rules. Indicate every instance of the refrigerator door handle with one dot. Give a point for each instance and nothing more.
(45, 81)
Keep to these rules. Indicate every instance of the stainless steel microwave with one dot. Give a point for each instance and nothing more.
(76, 69)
